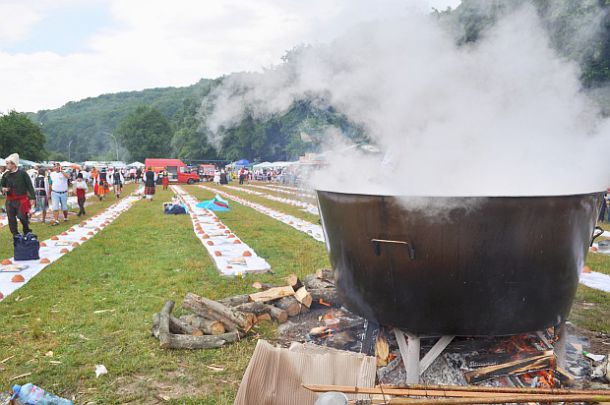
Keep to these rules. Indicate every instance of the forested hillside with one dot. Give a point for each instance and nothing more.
(579, 30)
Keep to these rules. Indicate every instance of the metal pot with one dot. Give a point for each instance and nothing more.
(489, 266)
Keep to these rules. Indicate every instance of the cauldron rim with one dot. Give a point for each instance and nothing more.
(474, 196)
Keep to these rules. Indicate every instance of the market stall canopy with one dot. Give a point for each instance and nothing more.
(262, 165)
(2, 162)
(242, 162)
(25, 162)
(136, 164)
(68, 164)
(281, 164)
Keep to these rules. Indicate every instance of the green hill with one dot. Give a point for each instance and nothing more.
(88, 123)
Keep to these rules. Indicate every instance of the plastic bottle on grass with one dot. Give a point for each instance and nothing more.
(30, 394)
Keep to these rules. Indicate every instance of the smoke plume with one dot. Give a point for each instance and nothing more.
(503, 116)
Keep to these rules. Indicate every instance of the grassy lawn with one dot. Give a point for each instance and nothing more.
(276, 205)
(45, 231)
(130, 269)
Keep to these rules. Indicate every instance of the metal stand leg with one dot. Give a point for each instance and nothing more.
(560, 345)
(409, 350)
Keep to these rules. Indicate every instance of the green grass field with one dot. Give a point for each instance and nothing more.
(128, 270)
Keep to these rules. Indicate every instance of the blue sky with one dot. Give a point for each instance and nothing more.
(65, 29)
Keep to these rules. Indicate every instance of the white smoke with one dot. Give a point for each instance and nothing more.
(503, 117)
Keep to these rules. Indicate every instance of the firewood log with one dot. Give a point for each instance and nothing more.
(289, 304)
(235, 300)
(303, 296)
(293, 281)
(207, 326)
(327, 295)
(210, 309)
(259, 308)
(312, 282)
(164, 316)
(325, 274)
(263, 317)
(262, 286)
(272, 294)
(200, 342)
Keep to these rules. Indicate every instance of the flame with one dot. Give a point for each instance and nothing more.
(322, 302)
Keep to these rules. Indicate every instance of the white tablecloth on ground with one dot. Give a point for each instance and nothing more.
(313, 230)
(70, 240)
(217, 237)
(599, 281)
(307, 207)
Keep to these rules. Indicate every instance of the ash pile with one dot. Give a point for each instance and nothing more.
(543, 359)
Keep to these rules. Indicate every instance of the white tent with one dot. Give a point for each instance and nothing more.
(262, 165)
(281, 164)
(2, 162)
(136, 164)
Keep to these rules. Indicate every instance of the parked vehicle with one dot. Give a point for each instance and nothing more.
(176, 168)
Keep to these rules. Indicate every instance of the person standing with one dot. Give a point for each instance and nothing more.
(80, 185)
(165, 180)
(17, 186)
(138, 175)
(59, 193)
(149, 183)
(103, 188)
(117, 182)
(41, 189)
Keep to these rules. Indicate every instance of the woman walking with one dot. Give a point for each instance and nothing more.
(117, 183)
(102, 187)
(149, 183)
(80, 185)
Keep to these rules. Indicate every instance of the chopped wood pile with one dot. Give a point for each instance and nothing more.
(214, 323)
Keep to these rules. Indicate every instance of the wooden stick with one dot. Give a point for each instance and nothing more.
(542, 361)
(214, 310)
(519, 399)
(260, 308)
(436, 390)
(272, 294)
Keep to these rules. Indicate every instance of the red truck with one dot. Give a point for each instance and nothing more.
(178, 172)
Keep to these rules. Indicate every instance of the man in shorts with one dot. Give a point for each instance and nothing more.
(59, 193)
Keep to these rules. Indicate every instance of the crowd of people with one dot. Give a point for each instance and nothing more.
(38, 189)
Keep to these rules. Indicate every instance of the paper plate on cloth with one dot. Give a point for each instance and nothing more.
(13, 268)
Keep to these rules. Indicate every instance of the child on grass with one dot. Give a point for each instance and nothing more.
(80, 185)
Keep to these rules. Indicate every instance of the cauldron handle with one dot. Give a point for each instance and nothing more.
(377, 245)
(597, 235)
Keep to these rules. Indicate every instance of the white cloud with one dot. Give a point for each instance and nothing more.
(157, 43)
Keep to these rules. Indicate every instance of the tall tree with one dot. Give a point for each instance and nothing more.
(190, 140)
(145, 133)
(19, 134)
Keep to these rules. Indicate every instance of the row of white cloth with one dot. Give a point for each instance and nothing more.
(55, 247)
(313, 230)
(307, 207)
(231, 255)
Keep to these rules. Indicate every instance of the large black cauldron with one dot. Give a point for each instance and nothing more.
(495, 266)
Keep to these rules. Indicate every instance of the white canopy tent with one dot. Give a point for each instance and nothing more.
(262, 165)
(136, 164)
(2, 162)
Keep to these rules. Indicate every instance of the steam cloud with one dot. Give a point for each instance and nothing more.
(506, 116)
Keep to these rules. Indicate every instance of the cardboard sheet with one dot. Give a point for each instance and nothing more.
(275, 376)
(313, 230)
